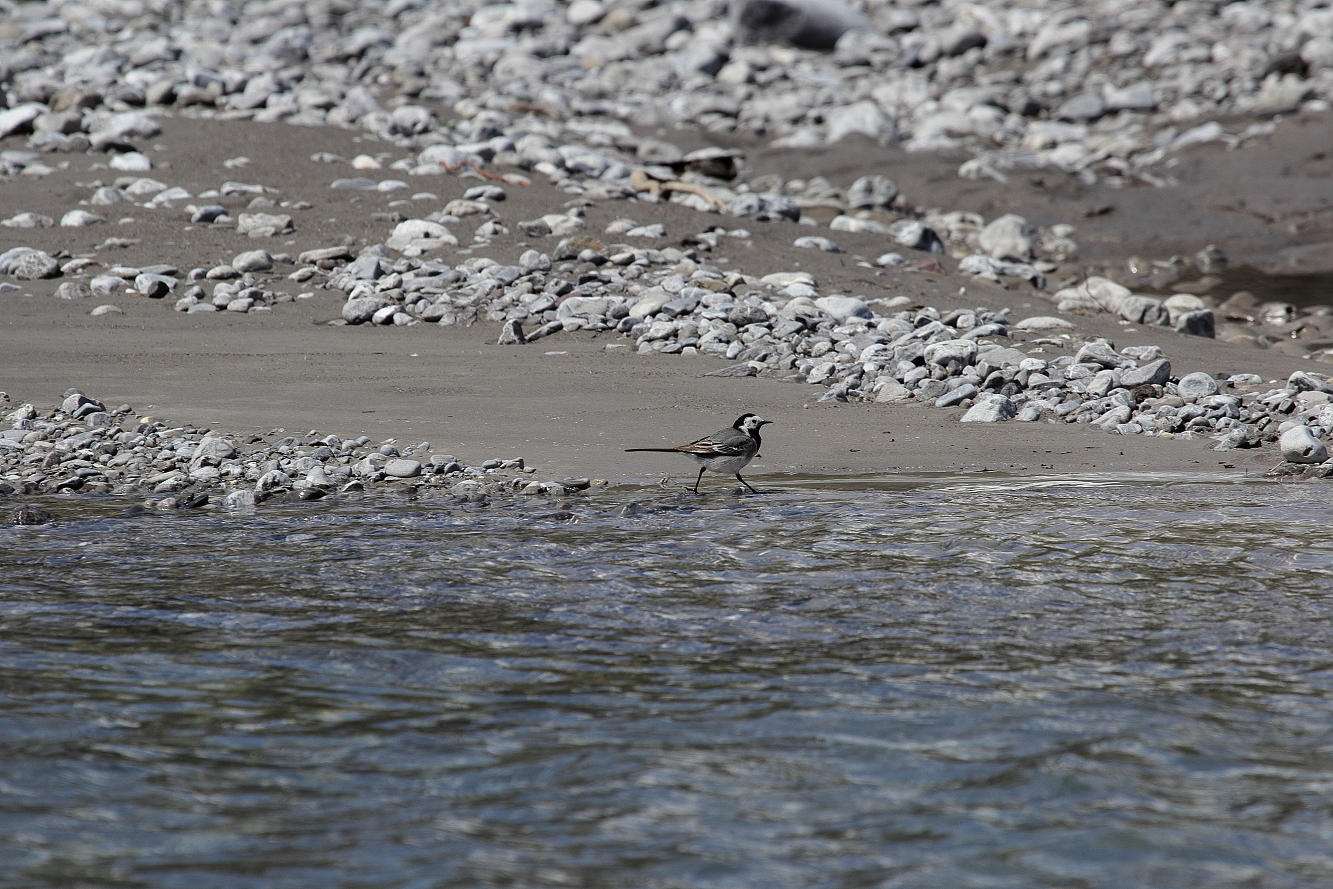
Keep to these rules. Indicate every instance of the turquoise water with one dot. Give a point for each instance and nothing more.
(887, 681)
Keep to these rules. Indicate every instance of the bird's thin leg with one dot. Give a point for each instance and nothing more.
(698, 479)
(744, 482)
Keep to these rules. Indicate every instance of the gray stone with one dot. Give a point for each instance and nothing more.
(239, 501)
(1082, 108)
(862, 118)
(212, 450)
(916, 235)
(511, 334)
(990, 409)
(1144, 310)
(991, 268)
(1029, 413)
(73, 290)
(252, 261)
(106, 196)
(957, 395)
(1102, 383)
(1135, 97)
(1101, 352)
(131, 162)
(583, 307)
(1156, 373)
(814, 242)
(765, 208)
(264, 224)
(960, 350)
(745, 314)
(869, 192)
(734, 370)
(154, 286)
(79, 219)
(1043, 322)
(843, 308)
(1197, 385)
(812, 24)
(1008, 237)
(20, 118)
(119, 128)
(78, 405)
(32, 265)
(402, 468)
(1002, 358)
(845, 223)
(208, 213)
(28, 220)
(359, 310)
(28, 514)
(1300, 445)
(1236, 437)
(1302, 381)
(887, 390)
(355, 183)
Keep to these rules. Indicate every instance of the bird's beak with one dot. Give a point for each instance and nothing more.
(765, 422)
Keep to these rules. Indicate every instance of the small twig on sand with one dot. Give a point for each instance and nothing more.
(508, 178)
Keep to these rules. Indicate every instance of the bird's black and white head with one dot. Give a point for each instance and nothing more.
(749, 424)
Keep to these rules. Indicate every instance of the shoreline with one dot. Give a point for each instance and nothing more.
(570, 413)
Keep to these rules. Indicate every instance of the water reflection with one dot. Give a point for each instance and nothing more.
(873, 681)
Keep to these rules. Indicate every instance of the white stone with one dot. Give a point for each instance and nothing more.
(79, 219)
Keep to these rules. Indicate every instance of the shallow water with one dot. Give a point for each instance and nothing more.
(890, 681)
(1303, 291)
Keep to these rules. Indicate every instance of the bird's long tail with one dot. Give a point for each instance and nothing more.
(655, 450)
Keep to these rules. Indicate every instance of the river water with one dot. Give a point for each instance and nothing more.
(853, 681)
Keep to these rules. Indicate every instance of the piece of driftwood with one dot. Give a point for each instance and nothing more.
(641, 181)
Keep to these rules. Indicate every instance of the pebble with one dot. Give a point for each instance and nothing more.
(110, 451)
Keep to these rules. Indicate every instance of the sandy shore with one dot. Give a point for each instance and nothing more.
(572, 402)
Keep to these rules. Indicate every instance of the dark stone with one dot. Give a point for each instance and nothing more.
(30, 515)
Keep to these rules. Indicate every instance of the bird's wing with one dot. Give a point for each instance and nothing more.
(720, 445)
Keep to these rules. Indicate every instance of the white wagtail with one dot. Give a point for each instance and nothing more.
(725, 452)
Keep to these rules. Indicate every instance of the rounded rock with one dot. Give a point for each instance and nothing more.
(1195, 386)
(990, 409)
(30, 515)
(73, 290)
(1300, 445)
(34, 265)
(402, 468)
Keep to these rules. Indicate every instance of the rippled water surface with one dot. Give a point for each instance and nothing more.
(847, 682)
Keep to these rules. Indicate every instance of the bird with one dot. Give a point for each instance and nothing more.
(725, 452)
